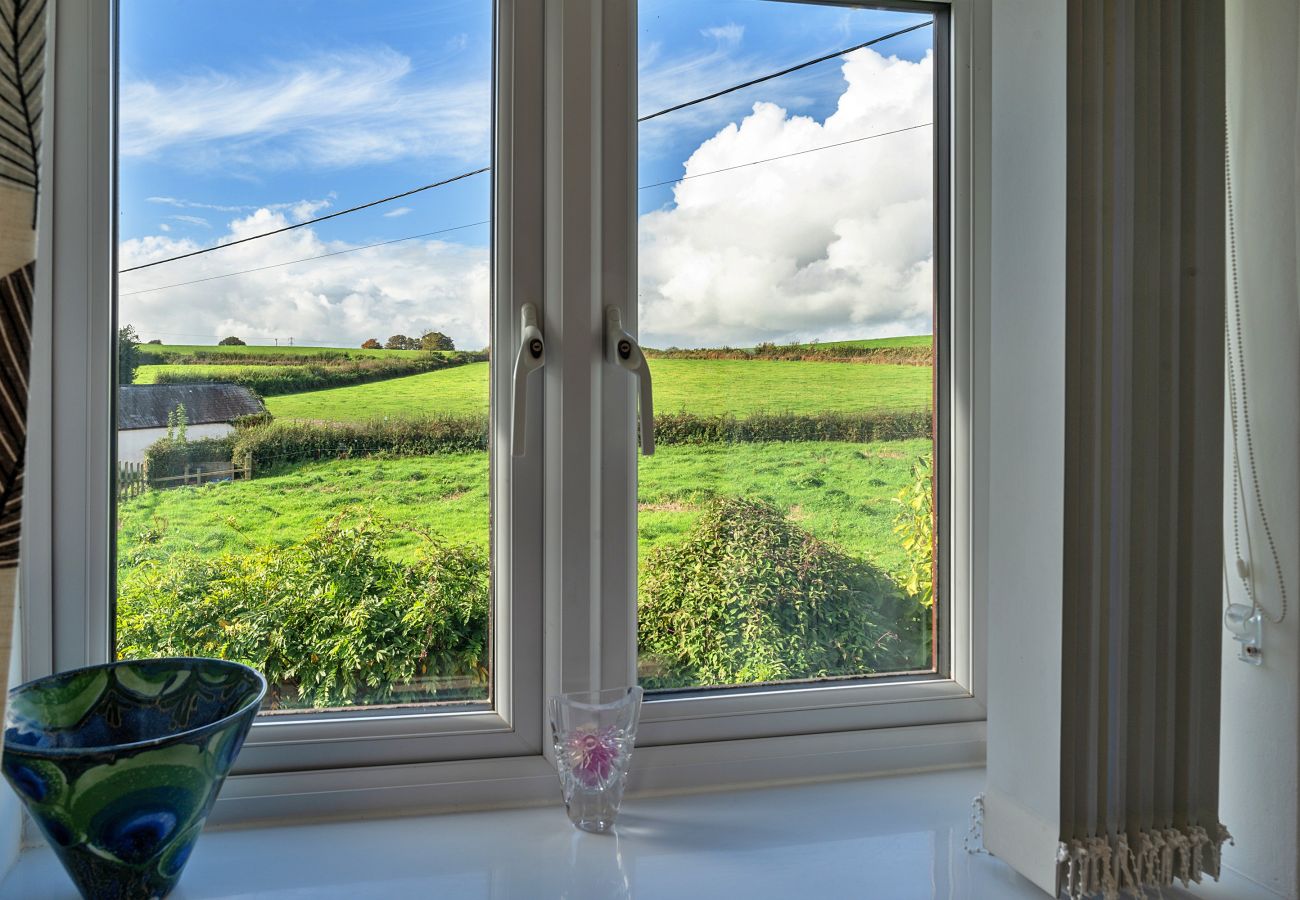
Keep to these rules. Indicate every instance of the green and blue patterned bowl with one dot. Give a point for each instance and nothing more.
(120, 764)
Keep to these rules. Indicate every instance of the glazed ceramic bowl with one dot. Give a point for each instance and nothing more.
(120, 764)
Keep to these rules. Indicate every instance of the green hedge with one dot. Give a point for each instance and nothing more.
(271, 380)
(907, 356)
(168, 457)
(278, 442)
(330, 621)
(689, 428)
(750, 597)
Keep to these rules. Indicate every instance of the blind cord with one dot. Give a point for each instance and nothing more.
(1239, 408)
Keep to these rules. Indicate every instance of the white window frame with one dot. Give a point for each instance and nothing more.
(565, 238)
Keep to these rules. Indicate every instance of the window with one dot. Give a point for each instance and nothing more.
(417, 546)
(304, 469)
(787, 281)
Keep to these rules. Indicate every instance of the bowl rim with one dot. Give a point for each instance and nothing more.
(67, 752)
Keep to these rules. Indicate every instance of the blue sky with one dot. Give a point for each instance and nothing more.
(329, 103)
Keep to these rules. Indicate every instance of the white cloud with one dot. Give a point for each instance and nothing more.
(328, 111)
(305, 209)
(163, 226)
(395, 213)
(408, 287)
(192, 220)
(834, 244)
(731, 33)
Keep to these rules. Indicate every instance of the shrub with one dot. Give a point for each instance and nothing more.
(273, 380)
(689, 428)
(268, 380)
(915, 525)
(907, 356)
(264, 445)
(329, 622)
(169, 456)
(231, 341)
(128, 354)
(749, 596)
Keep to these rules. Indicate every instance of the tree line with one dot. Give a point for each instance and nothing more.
(429, 340)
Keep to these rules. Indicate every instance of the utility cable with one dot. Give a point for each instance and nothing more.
(333, 215)
(463, 175)
(787, 71)
(756, 162)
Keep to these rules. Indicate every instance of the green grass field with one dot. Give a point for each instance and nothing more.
(703, 387)
(282, 350)
(149, 374)
(841, 492)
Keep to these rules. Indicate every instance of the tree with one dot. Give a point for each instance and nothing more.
(128, 354)
(231, 341)
(177, 421)
(372, 344)
(436, 340)
(156, 341)
(402, 342)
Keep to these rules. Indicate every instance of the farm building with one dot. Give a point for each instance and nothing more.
(210, 411)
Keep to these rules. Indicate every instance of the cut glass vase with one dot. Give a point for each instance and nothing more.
(593, 733)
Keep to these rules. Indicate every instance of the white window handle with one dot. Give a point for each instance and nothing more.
(621, 349)
(532, 356)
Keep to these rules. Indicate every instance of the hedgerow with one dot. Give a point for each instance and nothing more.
(275, 379)
(168, 457)
(689, 428)
(276, 442)
(330, 621)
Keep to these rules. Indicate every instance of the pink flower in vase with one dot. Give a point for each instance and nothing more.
(592, 754)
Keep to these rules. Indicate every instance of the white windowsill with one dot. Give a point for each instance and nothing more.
(898, 837)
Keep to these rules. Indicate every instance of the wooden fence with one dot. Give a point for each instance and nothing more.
(133, 478)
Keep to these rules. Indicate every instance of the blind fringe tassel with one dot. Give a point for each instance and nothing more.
(1109, 865)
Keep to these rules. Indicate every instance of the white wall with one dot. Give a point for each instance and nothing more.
(1261, 705)
(132, 444)
(1026, 393)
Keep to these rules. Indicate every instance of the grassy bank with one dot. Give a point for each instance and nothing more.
(840, 492)
(704, 387)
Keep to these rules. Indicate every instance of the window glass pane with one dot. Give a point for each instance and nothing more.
(787, 307)
(302, 445)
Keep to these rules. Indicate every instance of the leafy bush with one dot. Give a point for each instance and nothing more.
(231, 341)
(749, 596)
(128, 354)
(689, 428)
(329, 622)
(273, 380)
(277, 442)
(907, 356)
(268, 443)
(169, 456)
(915, 525)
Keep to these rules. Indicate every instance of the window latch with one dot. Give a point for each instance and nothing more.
(621, 349)
(531, 357)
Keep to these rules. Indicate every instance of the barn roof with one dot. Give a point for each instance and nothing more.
(147, 405)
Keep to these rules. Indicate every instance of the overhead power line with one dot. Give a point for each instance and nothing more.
(413, 237)
(463, 175)
(333, 215)
(759, 162)
(786, 71)
(290, 262)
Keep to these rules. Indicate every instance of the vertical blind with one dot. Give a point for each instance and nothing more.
(1108, 781)
(1144, 376)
